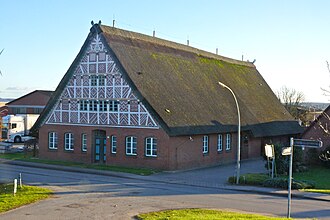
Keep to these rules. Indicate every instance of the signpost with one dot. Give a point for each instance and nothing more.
(289, 151)
(270, 153)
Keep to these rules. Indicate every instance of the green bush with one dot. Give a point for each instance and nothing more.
(282, 162)
(325, 157)
(283, 183)
(249, 179)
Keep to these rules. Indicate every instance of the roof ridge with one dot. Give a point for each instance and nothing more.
(171, 44)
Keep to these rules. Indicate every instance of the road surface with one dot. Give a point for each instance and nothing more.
(89, 196)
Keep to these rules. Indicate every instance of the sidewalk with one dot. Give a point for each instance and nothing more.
(214, 177)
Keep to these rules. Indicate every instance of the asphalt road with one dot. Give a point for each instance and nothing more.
(88, 196)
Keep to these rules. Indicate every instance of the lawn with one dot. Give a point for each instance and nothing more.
(26, 195)
(28, 157)
(321, 177)
(203, 214)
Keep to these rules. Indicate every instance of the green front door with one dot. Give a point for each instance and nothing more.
(100, 147)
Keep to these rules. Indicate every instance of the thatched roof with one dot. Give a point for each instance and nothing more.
(178, 85)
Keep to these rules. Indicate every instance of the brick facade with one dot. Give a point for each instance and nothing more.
(173, 153)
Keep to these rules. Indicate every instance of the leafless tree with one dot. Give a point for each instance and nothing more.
(292, 100)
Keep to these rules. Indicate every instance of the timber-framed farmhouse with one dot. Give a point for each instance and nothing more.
(134, 100)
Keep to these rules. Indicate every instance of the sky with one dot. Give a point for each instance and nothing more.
(290, 40)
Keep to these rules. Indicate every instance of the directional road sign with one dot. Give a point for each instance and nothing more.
(307, 143)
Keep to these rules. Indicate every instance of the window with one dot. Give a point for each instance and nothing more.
(93, 80)
(103, 106)
(13, 125)
(83, 105)
(131, 145)
(101, 80)
(151, 146)
(205, 144)
(68, 141)
(113, 144)
(228, 141)
(93, 105)
(84, 142)
(113, 107)
(52, 140)
(219, 147)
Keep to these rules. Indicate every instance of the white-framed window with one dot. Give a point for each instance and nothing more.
(52, 140)
(205, 144)
(113, 144)
(84, 142)
(93, 105)
(68, 141)
(93, 80)
(131, 145)
(83, 105)
(151, 147)
(101, 80)
(219, 145)
(113, 106)
(103, 106)
(228, 141)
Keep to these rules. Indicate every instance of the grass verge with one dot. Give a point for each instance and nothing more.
(24, 196)
(28, 158)
(204, 214)
(320, 175)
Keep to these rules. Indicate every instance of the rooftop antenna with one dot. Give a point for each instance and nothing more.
(113, 21)
(216, 51)
(188, 40)
(242, 57)
(154, 33)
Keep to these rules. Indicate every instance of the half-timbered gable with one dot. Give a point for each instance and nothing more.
(96, 94)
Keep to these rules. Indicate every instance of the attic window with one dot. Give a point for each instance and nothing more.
(167, 110)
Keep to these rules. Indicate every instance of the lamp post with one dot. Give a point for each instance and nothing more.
(238, 133)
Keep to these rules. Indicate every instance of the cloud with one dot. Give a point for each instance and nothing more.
(17, 88)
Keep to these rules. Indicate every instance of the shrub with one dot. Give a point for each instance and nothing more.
(249, 179)
(325, 157)
(283, 183)
(282, 162)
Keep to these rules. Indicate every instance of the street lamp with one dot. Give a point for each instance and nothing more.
(238, 135)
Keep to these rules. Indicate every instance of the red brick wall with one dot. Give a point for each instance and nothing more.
(173, 153)
(120, 158)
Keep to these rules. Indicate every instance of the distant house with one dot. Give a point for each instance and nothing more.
(319, 129)
(133, 100)
(31, 103)
(3, 112)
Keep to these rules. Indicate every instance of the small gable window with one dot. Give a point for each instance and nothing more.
(93, 80)
(113, 106)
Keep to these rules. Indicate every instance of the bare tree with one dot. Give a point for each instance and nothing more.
(292, 100)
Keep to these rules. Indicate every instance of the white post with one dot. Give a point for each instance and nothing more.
(238, 133)
(290, 178)
(20, 180)
(15, 186)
